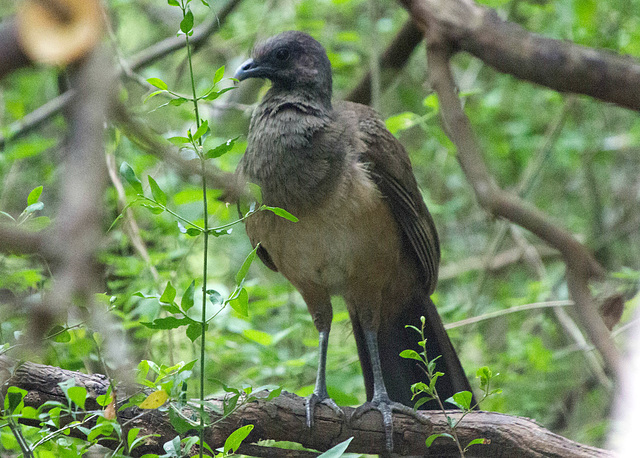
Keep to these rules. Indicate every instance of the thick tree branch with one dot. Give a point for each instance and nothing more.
(509, 48)
(283, 419)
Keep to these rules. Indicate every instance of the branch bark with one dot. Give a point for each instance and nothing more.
(509, 48)
(283, 419)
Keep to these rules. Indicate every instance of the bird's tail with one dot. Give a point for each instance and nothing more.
(400, 373)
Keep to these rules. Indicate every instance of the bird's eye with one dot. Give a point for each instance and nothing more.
(283, 54)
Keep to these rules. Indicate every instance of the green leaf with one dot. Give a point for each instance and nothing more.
(478, 441)
(461, 399)
(410, 354)
(281, 212)
(13, 399)
(258, 336)
(433, 437)
(338, 450)
(215, 94)
(127, 172)
(401, 122)
(59, 334)
(187, 298)
(218, 76)
(157, 193)
(421, 401)
(244, 269)
(187, 22)
(484, 374)
(153, 94)
(77, 394)
(131, 437)
(194, 330)
(178, 101)
(235, 438)
(240, 303)
(204, 127)
(34, 195)
(173, 2)
(215, 297)
(169, 294)
(219, 150)
(178, 141)
(169, 322)
(157, 82)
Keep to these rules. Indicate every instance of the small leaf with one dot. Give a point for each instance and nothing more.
(169, 322)
(13, 399)
(218, 76)
(219, 150)
(34, 195)
(157, 82)
(187, 298)
(241, 303)
(158, 194)
(244, 269)
(478, 441)
(77, 394)
(178, 101)
(193, 231)
(179, 140)
(154, 400)
(281, 212)
(169, 294)
(131, 437)
(235, 438)
(338, 450)
(173, 2)
(215, 94)
(410, 354)
(194, 330)
(153, 94)
(433, 437)
(127, 172)
(258, 336)
(215, 297)
(421, 401)
(205, 3)
(462, 399)
(186, 25)
(204, 127)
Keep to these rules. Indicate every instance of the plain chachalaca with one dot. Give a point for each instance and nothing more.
(363, 233)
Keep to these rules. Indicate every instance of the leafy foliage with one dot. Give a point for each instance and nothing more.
(585, 177)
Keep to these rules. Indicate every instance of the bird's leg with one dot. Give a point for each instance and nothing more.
(380, 400)
(320, 394)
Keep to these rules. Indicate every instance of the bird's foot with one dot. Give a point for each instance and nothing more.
(317, 398)
(386, 407)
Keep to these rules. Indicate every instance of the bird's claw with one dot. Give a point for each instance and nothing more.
(386, 407)
(313, 400)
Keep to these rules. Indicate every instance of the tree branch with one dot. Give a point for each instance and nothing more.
(284, 419)
(559, 65)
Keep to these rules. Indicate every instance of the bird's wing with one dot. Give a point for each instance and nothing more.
(390, 168)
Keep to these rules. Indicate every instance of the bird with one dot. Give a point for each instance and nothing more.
(363, 229)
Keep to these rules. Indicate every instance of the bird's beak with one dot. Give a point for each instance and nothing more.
(248, 69)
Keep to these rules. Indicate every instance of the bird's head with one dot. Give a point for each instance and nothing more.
(293, 61)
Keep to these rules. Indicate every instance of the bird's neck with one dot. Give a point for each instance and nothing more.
(308, 95)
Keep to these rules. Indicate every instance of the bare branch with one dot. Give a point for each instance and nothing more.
(507, 47)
